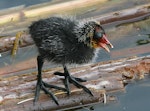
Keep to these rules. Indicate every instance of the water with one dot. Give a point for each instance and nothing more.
(7, 4)
(136, 98)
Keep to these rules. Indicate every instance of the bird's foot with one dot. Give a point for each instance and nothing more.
(41, 85)
(74, 80)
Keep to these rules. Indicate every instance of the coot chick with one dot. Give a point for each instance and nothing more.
(66, 41)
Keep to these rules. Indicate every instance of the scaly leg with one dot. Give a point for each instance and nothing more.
(41, 85)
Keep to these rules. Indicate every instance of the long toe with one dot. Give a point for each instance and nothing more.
(43, 86)
(53, 86)
(51, 94)
(77, 84)
(59, 73)
(37, 92)
(74, 80)
(66, 82)
(64, 74)
(79, 79)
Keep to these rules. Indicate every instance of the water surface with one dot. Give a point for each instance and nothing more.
(136, 98)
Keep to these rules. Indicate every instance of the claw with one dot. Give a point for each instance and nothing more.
(76, 83)
(79, 79)
(51, 94)
(74, 80)
(53, 86)
(43, 86)
(37, 93)
(66, 82)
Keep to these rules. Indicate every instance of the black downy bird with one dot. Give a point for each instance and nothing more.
(64, 41)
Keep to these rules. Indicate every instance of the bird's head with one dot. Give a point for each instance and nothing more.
(93, 35)
(99, 39)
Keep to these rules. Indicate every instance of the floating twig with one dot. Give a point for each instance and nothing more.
(16, 44)
(105, 98)
(26, 100)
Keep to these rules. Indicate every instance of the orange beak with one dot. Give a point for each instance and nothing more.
(103, 42)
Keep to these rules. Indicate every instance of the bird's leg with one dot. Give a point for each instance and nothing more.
(41, 85)
(70, 79)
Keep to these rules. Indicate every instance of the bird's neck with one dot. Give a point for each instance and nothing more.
(84, 33)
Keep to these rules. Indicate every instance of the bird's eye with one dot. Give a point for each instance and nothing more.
(99, 35)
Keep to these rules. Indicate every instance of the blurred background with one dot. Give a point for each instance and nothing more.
(130, 37)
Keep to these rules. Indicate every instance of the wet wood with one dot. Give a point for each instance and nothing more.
(127, 15)
(21, 66)
(124, 16)
(47, 9)
(130, 51)
(104, 78)
(7, 43)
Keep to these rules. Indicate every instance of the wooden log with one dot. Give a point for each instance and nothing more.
(21, 66)
(130, 51)
(48, 9)
(104, 78)
(126, 16)
(136, 13)
(7, 43)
